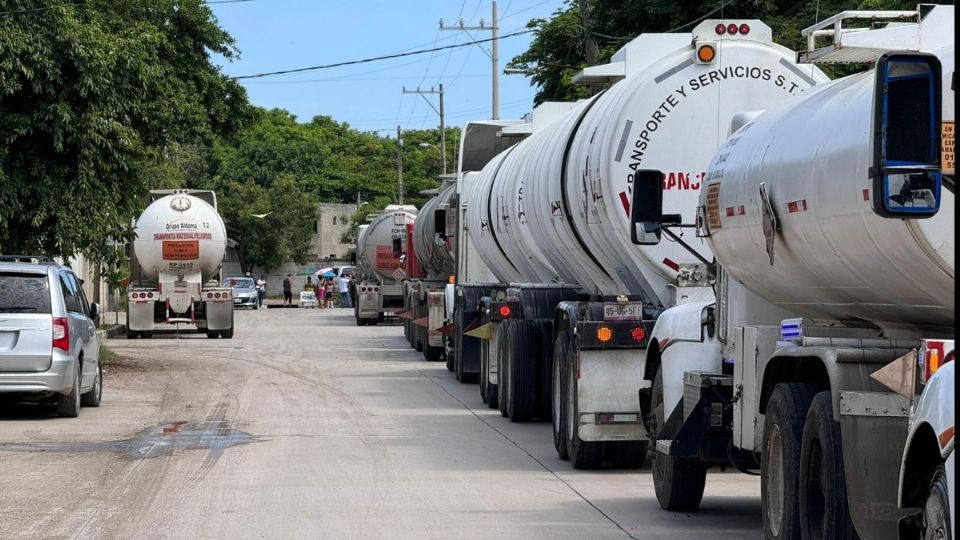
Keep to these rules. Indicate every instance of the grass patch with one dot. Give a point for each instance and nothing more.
(107, 356)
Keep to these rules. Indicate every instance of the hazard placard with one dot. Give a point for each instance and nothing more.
(946, 148)
(181, 250)
(399, 274)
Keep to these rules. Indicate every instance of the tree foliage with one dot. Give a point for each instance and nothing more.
(283, 168)
(93, 95)
(558, 49)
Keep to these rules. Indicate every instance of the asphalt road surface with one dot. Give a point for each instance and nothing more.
(307, 426)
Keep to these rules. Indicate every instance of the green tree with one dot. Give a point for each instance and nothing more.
(93, 96)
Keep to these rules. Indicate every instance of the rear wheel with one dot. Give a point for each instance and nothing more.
(503, 368)
(522, 405)
(433, 354)
(68, 406)
(583, 454)
(92, 398)
(627, 454)
(132, 334)
(678, 482)
(823, 491)
(936, 510)
(212, 334)
(558, 393)
(780, 463)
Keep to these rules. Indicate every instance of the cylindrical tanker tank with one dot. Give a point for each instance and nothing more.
(180, 234)
(437, 259)
(558, 205)
(375, 244)
(833, 259)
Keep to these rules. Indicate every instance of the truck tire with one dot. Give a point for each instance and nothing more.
(68, 406)
(213, 334)
(542, 335)
(936, 509)
(558, 393)
(583, 454)
(678, 482)
(146, 335)
(92, 398)
(503, 369)
(823, 488)
(522, 405)
(132, 334)
(433, 354)
(780, 459)
(228, 333)
(627, 454)
(488, 390)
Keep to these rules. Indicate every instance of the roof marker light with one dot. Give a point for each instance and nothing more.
(744, 29)
(732, 29)
(720, 29)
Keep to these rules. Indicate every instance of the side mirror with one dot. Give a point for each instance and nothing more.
(94, 311)
(646, 210)
(353, 257)
(906, 178)
(440, 222)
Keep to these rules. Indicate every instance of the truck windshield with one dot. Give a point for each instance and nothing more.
(239, 282)
(24, 293)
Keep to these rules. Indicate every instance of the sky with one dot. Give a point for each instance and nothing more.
(275, 35)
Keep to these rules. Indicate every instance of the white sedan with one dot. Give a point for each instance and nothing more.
(927, 490)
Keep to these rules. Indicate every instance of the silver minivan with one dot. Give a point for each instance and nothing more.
(49, 348)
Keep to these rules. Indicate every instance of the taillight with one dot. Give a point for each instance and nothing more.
(935, 358)
(638, 333)
(209, 295)
(150, 295)
(604, 334)
(732, 29)
(720, 29)
(744, 29)
(61, 334)
(363, 289)
(505, 311)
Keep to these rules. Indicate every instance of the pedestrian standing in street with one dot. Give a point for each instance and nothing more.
(343, 286)
(287, 295)
(261, 290)
(328, 288)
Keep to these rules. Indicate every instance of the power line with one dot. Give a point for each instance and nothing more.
(378, 58)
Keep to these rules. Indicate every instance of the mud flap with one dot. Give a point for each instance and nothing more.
(873, 429)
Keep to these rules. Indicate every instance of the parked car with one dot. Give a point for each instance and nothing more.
(49, 349)
(927, 475)
(244, 291)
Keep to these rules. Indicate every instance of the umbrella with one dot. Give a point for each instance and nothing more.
(327, 274)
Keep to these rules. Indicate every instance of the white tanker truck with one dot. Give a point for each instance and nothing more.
(380, 249)
(175, 266)
(570, 318)
(831, 219)
(424, 296)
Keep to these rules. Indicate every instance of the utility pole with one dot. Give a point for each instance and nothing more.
(399, 167)
(443, 129)
(493, 54)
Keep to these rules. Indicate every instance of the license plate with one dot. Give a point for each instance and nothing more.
(615, 311)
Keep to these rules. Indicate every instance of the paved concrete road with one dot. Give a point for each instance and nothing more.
(307, 426)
